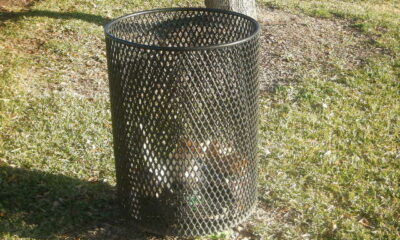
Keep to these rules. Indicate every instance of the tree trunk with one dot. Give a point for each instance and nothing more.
(247, 7)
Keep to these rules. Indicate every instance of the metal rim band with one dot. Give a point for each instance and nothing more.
(109, 26)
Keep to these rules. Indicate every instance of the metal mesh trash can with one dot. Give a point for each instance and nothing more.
(184, 87)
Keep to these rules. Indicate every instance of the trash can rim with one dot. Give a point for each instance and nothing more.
(155, 47)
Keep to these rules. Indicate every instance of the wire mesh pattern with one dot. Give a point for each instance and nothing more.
(184, 88)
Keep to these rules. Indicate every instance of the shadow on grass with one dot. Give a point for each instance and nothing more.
(91, 18)
(35, 204)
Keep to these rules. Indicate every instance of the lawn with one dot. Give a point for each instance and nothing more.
(329, 138)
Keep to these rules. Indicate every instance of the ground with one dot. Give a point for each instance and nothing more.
(14, 3)
(329, 135)
(293, 43)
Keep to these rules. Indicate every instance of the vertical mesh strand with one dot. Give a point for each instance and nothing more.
(184, 86)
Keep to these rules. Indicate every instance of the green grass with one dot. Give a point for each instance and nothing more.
(329, 143)
(333, 140)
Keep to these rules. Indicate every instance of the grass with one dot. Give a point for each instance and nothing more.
(331, 159)
(329, 143)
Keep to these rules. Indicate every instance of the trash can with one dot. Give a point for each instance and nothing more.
(184, 89)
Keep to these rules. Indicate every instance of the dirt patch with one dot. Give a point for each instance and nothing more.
(293, 44)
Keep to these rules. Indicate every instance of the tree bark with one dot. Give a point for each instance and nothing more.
(247, 7)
